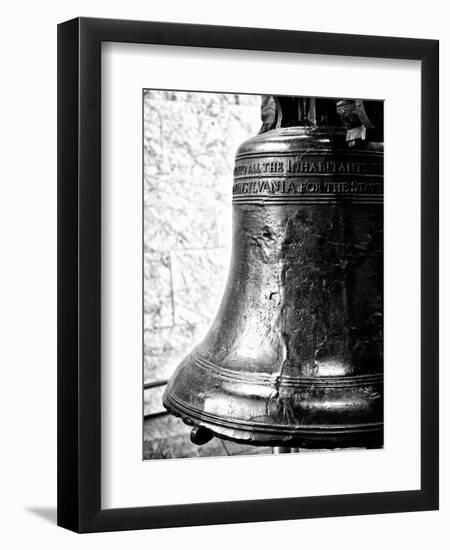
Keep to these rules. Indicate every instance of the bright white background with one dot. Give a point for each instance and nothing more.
(129, 481)
(28, 276)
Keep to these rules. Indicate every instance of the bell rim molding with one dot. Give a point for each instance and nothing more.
(306, 436)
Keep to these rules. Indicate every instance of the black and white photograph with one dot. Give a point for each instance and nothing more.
(263, 258)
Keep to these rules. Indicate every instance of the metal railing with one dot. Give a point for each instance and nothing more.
(155, 384)
(149, 386)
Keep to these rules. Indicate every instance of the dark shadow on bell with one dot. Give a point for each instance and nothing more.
(48, 514)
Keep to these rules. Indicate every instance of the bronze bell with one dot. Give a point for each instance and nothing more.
(294, 356)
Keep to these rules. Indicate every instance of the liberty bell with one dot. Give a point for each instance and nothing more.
(294, 357)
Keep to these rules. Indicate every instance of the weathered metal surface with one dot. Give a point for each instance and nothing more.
(295, 354)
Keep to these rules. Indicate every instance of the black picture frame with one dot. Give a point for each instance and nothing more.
(79, 274)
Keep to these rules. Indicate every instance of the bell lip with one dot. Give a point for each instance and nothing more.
(338, 431)
(359, 436)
